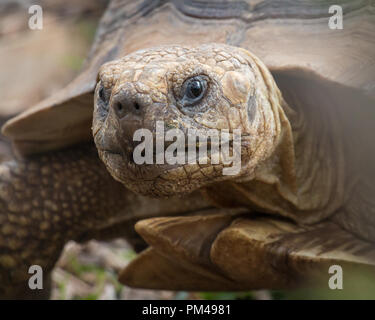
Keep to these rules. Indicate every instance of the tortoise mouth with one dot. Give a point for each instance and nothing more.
(168, 178)
(125, 169)
(153, 180)
(111, 152)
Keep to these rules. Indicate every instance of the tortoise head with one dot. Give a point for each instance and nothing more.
(173, 119)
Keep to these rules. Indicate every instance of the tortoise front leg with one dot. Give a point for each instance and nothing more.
(45, 201)
(246, 252)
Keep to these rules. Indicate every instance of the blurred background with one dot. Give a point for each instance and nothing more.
(35, 64)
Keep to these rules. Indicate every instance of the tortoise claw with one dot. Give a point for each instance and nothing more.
(152, 270)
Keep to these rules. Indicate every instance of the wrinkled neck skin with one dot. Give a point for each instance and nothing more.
(302, 179)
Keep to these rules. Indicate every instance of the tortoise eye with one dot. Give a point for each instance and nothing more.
(101, 93)
(194, 90)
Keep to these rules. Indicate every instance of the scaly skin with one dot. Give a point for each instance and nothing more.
(45, 201)
(154, 78)
(49, 199)
(276, 141)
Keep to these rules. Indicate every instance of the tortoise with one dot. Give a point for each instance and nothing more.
(302, 97)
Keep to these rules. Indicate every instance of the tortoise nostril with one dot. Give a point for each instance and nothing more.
(119, 106)
(124, 103)
(120, 109)
(131, 107)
